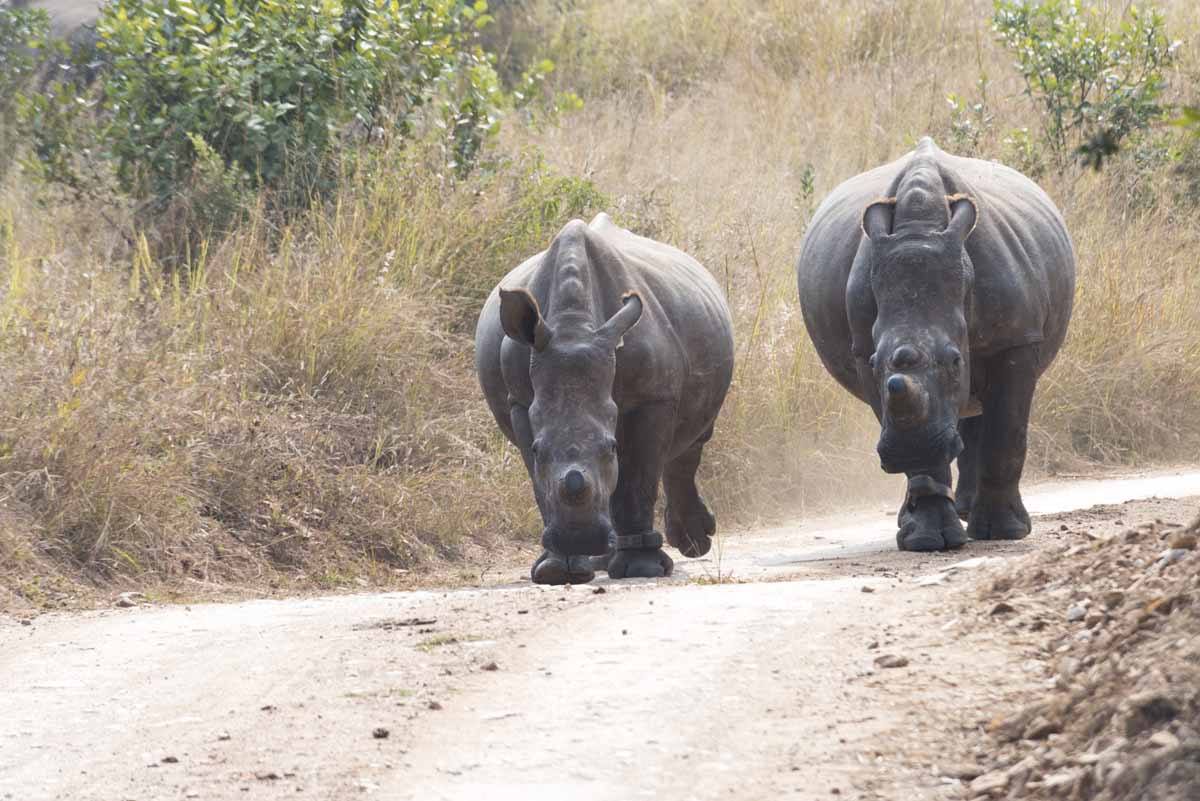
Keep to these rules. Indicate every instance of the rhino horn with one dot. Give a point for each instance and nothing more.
(905, 399)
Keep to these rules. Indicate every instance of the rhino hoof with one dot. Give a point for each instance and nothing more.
(931, 525)
(691, 534)
(1000, 518)
(640, 564)
(552, 568)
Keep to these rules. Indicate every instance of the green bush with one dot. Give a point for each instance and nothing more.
(22, 33)
(271, 86)
(1091, 82)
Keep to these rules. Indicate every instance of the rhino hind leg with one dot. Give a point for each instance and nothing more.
(998, 512)
(970, 429)
(690, 524)
(643, 437)
(927, 519)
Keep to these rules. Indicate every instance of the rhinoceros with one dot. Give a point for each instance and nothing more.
(605, 359)
(937, 289)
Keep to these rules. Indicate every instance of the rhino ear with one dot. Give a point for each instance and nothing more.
(522, 319)
(963, 216)
(626, 318)
(877, 217)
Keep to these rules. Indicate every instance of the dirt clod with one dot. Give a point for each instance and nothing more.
(490, 666)
(891, 661)
(965, 772)
(1040, 728)
(128, 599)
(380, 733)
(1121, 711)
(989, 784)
(1148, 709)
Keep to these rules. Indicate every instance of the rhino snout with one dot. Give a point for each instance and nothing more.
(574, 488)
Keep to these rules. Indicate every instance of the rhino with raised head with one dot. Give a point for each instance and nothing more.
(937, 289)
(605, 359)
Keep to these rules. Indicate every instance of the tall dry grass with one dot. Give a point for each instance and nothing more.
(297, 409)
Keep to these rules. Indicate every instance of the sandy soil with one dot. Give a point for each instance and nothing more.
(807, 662)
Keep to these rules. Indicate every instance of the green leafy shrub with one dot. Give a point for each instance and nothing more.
(1091, 82)
(271, 86)
(22, 33)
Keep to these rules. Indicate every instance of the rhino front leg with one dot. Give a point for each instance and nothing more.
(643, 437)
(551, 567)
(998, 512)
(690, 524)
(927, 520)
(970, 429)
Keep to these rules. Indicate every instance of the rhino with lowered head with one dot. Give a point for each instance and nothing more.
(937, 289)
(606, 359)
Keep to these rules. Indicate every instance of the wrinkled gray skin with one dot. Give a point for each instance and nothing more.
(606, 359)
(937, 289)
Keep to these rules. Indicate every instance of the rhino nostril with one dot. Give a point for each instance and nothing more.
(574, 487)
(905, 356)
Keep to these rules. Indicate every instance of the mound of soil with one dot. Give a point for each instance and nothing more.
(1113, 618)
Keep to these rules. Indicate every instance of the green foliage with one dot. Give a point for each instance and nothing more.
(1090, 81)
(22, 34)
(970, 121)
(271, 86)
(22, 30)
(60, 132)
(1189, 118)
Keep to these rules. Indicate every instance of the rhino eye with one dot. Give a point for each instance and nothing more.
(534, 448)
(871, 361)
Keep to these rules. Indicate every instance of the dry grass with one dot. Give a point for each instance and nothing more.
(299, 410)
(735, 153)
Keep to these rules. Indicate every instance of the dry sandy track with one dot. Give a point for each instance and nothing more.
(677, 689)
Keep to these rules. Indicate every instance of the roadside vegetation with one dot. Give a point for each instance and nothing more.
(237, 293)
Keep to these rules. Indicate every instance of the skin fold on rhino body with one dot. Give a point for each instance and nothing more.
(605, 359)
(937, 289)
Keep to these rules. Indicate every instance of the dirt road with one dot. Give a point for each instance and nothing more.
(760, 672)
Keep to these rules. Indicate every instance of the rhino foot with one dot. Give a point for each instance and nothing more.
(999, 516)
(553, 568)
(640, 556)
(691, 532)
(930, 524)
